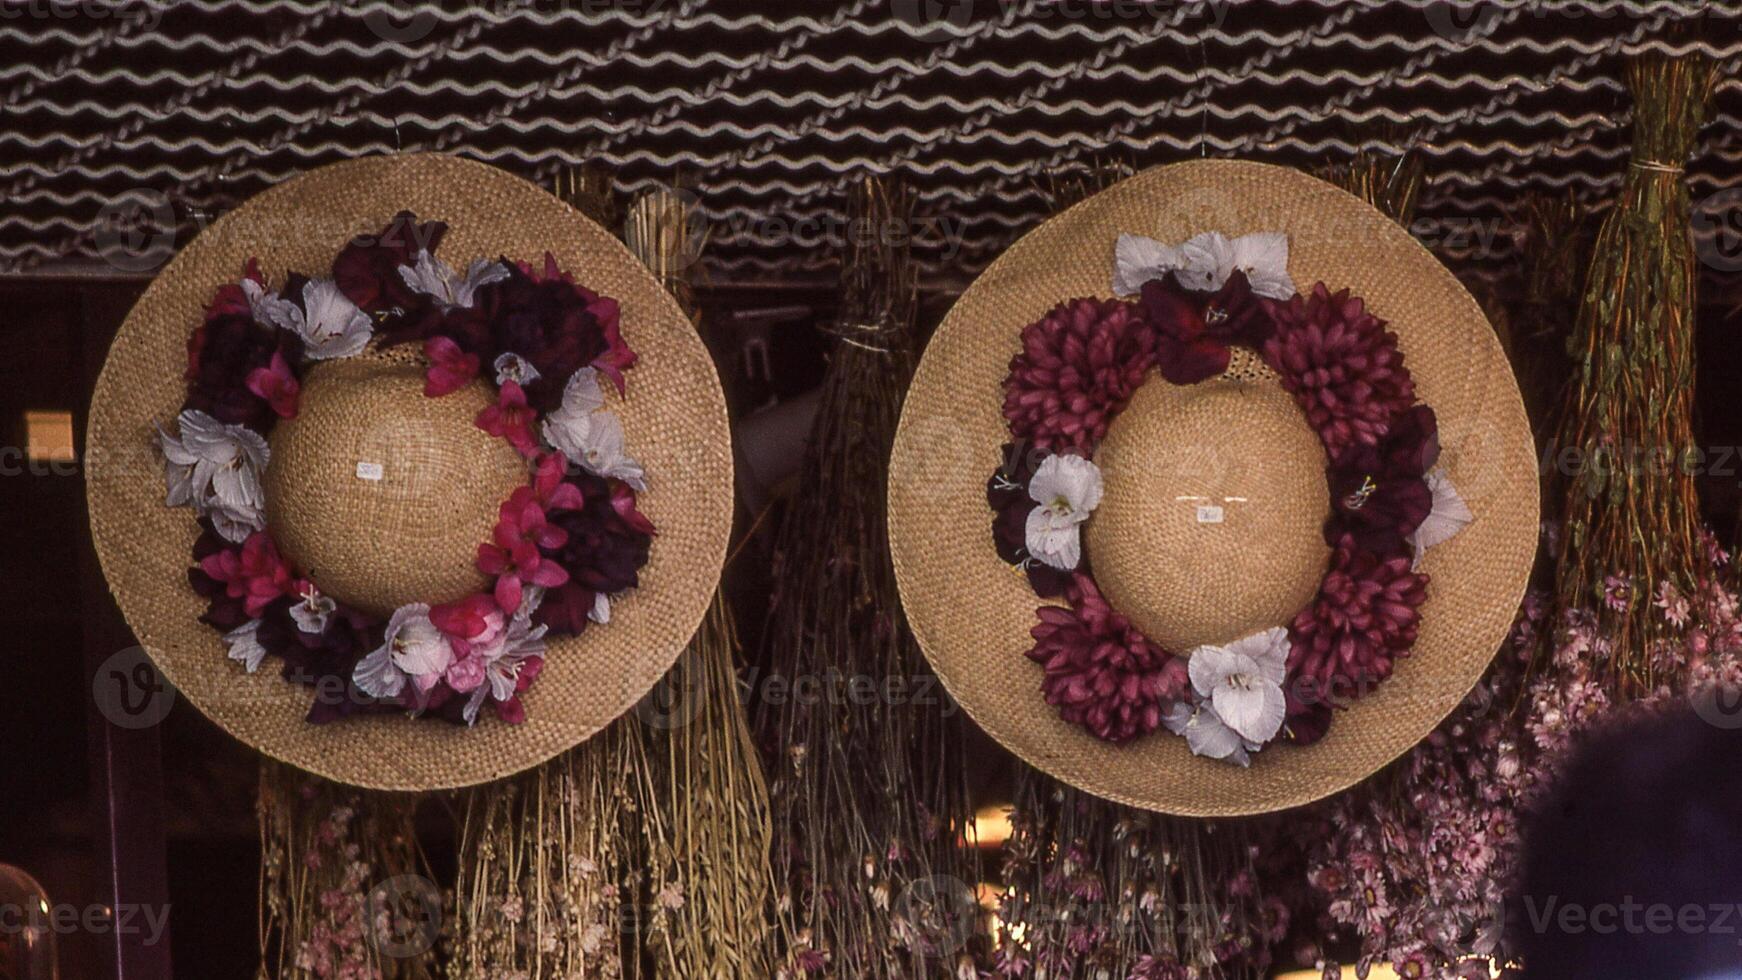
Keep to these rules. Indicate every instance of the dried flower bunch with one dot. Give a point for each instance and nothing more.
(1079, 367)
(563, 544)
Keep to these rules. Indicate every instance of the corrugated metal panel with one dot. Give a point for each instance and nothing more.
(140, 112)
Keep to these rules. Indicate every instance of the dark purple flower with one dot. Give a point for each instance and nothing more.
(1379, 494)
(223, 352)
(1195, 330)
(603, 554)
(554, 324)
(367, 268)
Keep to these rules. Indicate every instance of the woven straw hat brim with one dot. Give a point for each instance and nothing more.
(972, 614)
(674, 416)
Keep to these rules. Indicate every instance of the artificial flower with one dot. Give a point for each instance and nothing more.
(1379, 490)
(1447, 516)
(434, 278)
(1341, 365)
(413, 650)
(215, 468)
(549, 485)
(253, 573)
(512, 367)
(243, 644)
(277, 385)
(367, 268)
(1365, 615)
(1101, 672)
(329, 324)
(1078, 367)
(1205, 732)
(313, 610)
(589, 435)
(511, 418)
(1243, 682)
(521, 643)
(513, 555)
(1205, 262)
(1007, 495)
(1195, 330)
(1066, 490)
(223, 353)
(450, 368)
(607, 544)
(556, 326)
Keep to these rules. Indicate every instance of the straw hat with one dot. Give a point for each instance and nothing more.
(1238, 442)
(409, 531)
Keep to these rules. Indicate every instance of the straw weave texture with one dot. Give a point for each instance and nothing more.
(972, 614)
(675, 422)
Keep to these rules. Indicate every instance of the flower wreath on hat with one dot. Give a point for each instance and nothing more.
(1081, 364)
(563, 544)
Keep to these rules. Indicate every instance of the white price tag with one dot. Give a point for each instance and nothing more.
(372, 471)
(1209, 514)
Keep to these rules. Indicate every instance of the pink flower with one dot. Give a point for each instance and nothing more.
(513, 556)
(450, 369)
(277, 385)
(1364, 616)
(623, 502)
(511, 418)
(552, 491)
(254, 574)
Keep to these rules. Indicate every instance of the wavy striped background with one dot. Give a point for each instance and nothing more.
(124, 118)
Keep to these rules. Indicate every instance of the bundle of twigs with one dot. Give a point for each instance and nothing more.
(343, 886)
(867, 776)
(704, 814)
(1624, 455)
(542, 859)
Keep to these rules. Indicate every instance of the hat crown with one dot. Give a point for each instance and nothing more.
(379, 494)
(1209, 529)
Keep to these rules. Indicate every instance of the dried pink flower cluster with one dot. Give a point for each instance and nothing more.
(1342, 366)
(1078, 367)
(1418, 866)
(1101, 672)
(1364, 616)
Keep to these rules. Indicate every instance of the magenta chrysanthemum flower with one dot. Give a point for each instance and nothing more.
(1078, 367)
(1342, 366)
(1101, 673)
(1363, 618)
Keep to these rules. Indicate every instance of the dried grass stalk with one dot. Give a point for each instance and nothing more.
(1391, 182)
(869, 792)
(541, 862)
(343, 886)
(1624, 456)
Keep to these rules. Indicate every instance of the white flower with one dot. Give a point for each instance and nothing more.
(519, 642)
(601, 611)
(329, 324)
(1138, 259)
(1067, 489)
(512, 367)
(1448, 516)
(590, 436)
(1206, 734)
(412, 649)
(1243, 682)
(312, 613)
(245, 645)
(433, 277)
(1204, 262)
(215, 468)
